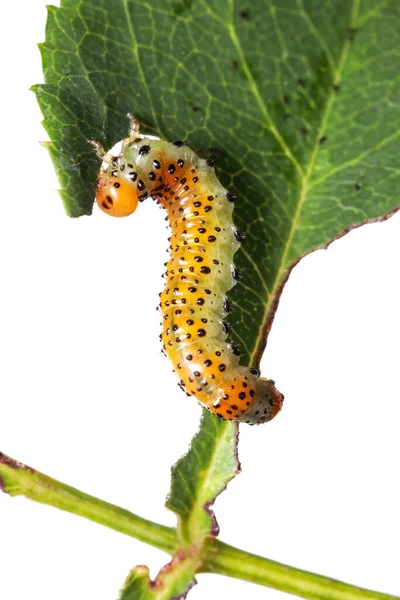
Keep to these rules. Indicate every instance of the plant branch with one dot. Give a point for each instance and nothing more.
(226, 560)
(18, 479)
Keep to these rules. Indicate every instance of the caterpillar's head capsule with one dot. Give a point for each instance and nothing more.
(116, 196)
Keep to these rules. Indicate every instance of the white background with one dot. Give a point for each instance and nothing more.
(87, 397)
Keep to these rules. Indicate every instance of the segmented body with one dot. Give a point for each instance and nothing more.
(199, 273)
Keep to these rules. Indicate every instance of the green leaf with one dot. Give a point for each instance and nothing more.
(297, 100)
(263, 88)
(137, 585)
(172, 583)
(200, 475)
(197, 478)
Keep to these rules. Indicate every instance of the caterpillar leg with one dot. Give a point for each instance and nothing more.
(134, 135)
(134, 129)
(101, 153)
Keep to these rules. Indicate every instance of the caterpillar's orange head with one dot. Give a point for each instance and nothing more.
(116, 196)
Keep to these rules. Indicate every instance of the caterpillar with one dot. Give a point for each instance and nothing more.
(199, 273)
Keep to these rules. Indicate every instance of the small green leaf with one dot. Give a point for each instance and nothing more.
(197, 478)
(172, 583)
(137, 585)
(200, 475)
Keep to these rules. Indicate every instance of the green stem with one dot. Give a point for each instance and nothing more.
(226, 560)
(17, 479)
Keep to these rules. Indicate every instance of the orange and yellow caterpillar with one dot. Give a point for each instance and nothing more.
(199, 273)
